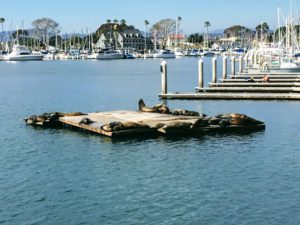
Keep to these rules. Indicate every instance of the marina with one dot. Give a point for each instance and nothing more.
(68, 165)
(117, 116)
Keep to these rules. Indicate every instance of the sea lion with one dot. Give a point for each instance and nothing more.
(109, 127)
(159, 108)
(45, 119)
(224, 122)
(62, 114)
(117, 126)
(184, 112)
(214, 121)
(175, 125)
(203, 122)
(31, 119)
(86, 121)
(239, 119)
(143, 108)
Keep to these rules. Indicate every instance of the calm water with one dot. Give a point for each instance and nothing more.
(65, 177)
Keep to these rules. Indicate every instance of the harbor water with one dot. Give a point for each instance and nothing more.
(61, 176)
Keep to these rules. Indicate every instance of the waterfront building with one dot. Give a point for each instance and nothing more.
(127, 39)
(175, 40)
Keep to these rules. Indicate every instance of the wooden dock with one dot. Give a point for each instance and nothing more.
(152, 121)
(239, 86)
(231, 96)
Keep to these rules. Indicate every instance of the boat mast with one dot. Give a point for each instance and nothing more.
(261, 32)
(278, 25)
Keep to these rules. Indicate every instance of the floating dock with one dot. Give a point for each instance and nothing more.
(148, 123)
(152, 120)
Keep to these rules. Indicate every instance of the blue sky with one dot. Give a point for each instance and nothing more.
(75, 15)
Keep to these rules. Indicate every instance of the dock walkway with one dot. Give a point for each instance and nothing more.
(242, 85)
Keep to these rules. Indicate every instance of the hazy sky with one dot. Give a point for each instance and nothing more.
(75, 15)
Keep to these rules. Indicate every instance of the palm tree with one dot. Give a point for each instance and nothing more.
(178, 19)
(146, 26)
(108, 21)
(116, 21)
(2, 20)
(207, 25)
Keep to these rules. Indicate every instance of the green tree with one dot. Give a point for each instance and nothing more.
(20, 33)
(280, 33)
(195, 38)
(262, 30)
(123, 22)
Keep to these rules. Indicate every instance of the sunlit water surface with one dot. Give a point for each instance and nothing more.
(60, 176)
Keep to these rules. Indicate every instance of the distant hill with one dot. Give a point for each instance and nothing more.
(217, 31)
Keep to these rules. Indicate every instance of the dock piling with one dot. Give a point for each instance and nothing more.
(225, 68)
(251, 59)
(246, 61)
(241, 64)
(164, 82)
(232, 65)
(200, 73)
(254, 59)
(214, 70)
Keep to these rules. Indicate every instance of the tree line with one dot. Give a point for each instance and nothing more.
(46, 31)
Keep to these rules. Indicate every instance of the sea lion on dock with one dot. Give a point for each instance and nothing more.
(62, 114)
(214, 121)
(118, 126)
(202, 122)
(184, 112)
(239, 119)
(174, 127)
(159, 108)
(86, 121)
(45, 119)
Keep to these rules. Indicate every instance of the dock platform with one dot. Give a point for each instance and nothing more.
(135, 123)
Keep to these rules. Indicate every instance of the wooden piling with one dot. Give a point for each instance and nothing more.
(164, 81)
(232, 65)
(214, 70)
(240, 64)
(200, 73)
(246, 61)
(252, 59)
(225, 67)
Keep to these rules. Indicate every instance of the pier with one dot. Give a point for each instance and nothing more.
(241, 85)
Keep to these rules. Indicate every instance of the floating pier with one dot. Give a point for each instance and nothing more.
(135, 123)
(242, 85)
